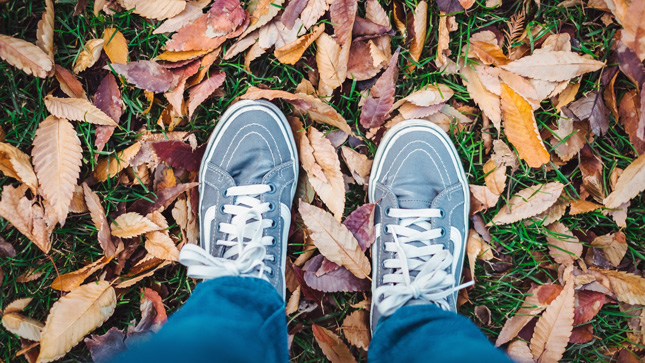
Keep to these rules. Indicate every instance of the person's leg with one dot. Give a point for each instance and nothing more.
(228, 319)
(425, 333)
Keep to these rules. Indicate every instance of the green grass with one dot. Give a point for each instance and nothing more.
(75, 244)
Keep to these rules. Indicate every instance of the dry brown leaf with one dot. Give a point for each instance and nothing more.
(77, 109)
(555, 66)
(22, 326)
(529, 202)
(335, 241)
(159, 10)
(483, 196)
(132, 224)
(583, 206)
(634, 28)
(314, 10)
(75, 315)
(521, 128)
(100, 221)
(115, 46)
(320, 161)
(359, 165)
(161, 246)
(191, 12)
(495, 177)
(519, 350)
(294, 302)
(488, 53)
(292, 52)
(110, 166)
(88, 55)
(417, 26)
(331, 345)
(486, 100)
(68, 83)
(564, 247)
(74, 279)
(57, 155)
(17, 306)
(554, 327)
(552, 214)
(25, 56)
(45, 32)
(356, 329)
(16, 164)
(327, 59)
(629, 184)
(613, 245)
(443, 43)
(627, 287)
(477, 248)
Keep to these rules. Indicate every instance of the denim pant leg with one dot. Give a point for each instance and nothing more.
(425, 333)
(228, 319)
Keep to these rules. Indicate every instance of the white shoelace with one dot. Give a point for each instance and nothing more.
(243, 237)
(415, 253)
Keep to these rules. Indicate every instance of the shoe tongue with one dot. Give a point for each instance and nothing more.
(414, 195)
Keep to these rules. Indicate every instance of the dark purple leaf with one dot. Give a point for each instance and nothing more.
(292, 12)
(202, 91)
(307, 291)
(593, 108)
(361, 223)
(480, 227)
(449, 6)
(640, 129)
(6, 249)
(104, 348)
(326, 266)
(145, 74)
(335, 281)
(368, 29)
(163, 200)
(581, 334)
(381, 98)
(630, 64)
(108, 99)
(179, 154)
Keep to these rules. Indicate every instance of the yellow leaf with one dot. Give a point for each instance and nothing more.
(334, 240)
(171, 56)
(583, 206)
(22, 326)
(57, 155)
(25, 56)
(77, 109)
(418, 32)
(74, 316)
(108, 167)
(356, 329)
(160, 9)
(132, 224)
(521, 128)
(529, 202)
(88, 55)
(16, 164)
(291, 53)
(116, 47)
(627, 287)
(161, 246)
(331, 345)
(74, 279)
(45, 31)
(629, 184)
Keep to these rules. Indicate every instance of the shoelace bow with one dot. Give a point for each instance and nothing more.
(244, 238)
(432, 282)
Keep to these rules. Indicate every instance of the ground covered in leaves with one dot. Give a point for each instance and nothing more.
(105, 107)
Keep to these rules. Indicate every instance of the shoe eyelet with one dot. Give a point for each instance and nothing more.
(273, 241)
(384, 248)
(442, 213)
(271, 207)
(273, 224)
(386, 230)
(383, 264)
(224, 193)
(387, 211)
(221, 209)
(273, 188)
(271, 273)
(443, 232)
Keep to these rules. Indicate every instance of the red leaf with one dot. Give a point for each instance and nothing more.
(361, 223)
(581, 334)
(292, 12)
(108, 99)
(326, 266)
(307, 291)
(104, 348)
(365, 29)
(342, 14)
(146, 75)
(179, 154)
(225, 16)
(200, 93)
(335, 281)
(163, 200)
(381, 98)
(587, 305)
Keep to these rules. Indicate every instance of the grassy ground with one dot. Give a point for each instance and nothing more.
(21, 110)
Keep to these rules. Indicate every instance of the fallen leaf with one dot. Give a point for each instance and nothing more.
(627, 287)
(107, 99)
(583, 206)
(202, 91)
(262, 12)
(521, 128)
(553, 213)
(529, 202)
(115, 46)
(629, 184)
(613, 246)
(630, 64)
(88, 55)
(356, 329)
(22, 326)
(68, 83)
(630, 116)
(77, 109)
(104, 348)
(443, 43)
(342, 14)
(57, 155)
(314, 10)
(587, 305)
(191, 12)
(486, 100)
(100, 221)
(334, 240)
(555, 66)
(155, 10)
(146, 75)
(593, 108)
(361, 223)
(495, 177)
(6, 250)
(45, 32)
(564, 247)
(16, 164)
(74, 279)
(633, 28)
(417, 25)
(132, 224)
(582, 334)
(25, 56)
(75, 315)
(162, 200)
(327, 59)
(449, 6)
(331, 345)
(178, 154)
(488, 53)
(519, 350)
(381, 98)
(481, 198)
(292, 52)
(161, 246)
(110, 166)
(358, 164)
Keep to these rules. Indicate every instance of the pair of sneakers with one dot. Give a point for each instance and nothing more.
(248, 181)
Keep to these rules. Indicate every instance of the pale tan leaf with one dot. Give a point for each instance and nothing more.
(294, 302)
(629, 184)
(254, 53)
(22, 326)
(633, 34)
(132, 224)
(161, 246)
(477, 248)
(100, 221)
(486, 100)
(488, 53)
(25, 56)
(88, 55)
(331, 345)
(28, 216)
(418, 32)
(322, 112)
(16, 164)
(115, 46)
(78, 204)
(45, 32)
(17, 306)
(77, 109)
(262, 12)
(314, 10)
(613, 245)
(359, 165)
(161, 9)
(521, 128)
(495, 177)
(191, 12)
(554, 327)
(443, 43)
(110, 166)
(327, 59)
(74, 279)
(583, 206)
(356, 329)
(529, 202)
(334, 240)
(241, 45)
(57, 155)
(564, 247)
(518, 350)
(292, 52)
(73, 316)
(627, 287)
(555, 66)
(552, 214)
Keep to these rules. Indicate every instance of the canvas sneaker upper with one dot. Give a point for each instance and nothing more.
(421, 218)
(247, 183)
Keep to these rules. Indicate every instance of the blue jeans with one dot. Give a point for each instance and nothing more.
(240, 319)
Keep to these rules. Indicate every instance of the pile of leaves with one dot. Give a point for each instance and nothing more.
(541, 140)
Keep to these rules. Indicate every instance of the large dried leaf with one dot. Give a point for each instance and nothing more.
(25, 56)
(88, 55)
(160, 9)
(74, 316)
(356, 329)
(633, 34)
(292, 52)
(57, 155)
(100, 221)
(115, 46)
(629, 184)
(178, 154)
(262, 12)
(202, 91)
(68, 83)
(555, 66)
(529, 202)
(613, 246)
(314, 10)
(331, 345)
(343, 14)
(554, 327)
(521, 128)
(22, 326)
(146, 75)
(327, 59)
(587, 305)
(16, 164)
(45, 32)
(110, 166)
(359, 165)
(627, 287)
(486, 100)
(495, 177)
(161, 246)
(564, 247)
(74, 279)
(417, 33)
(593, 108)
(381, 98)
(77, 109)
(334, 240)
(28, 216)
(337, 280)
(132, 224)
